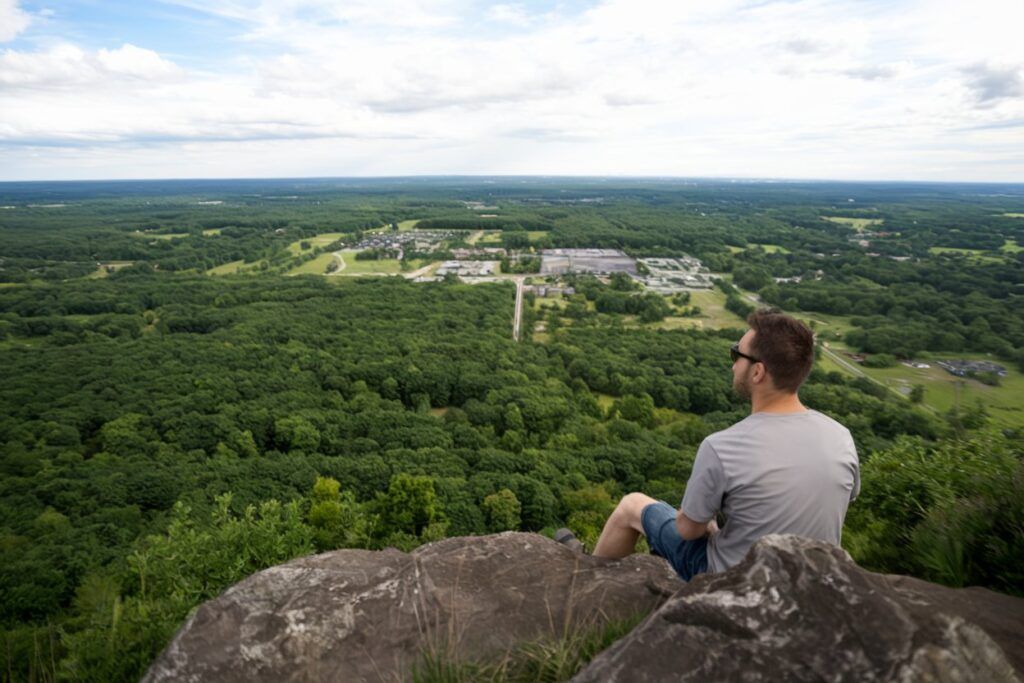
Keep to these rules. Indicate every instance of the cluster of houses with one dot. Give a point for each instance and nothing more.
(413, 240)
(673, 275)
(966, 368)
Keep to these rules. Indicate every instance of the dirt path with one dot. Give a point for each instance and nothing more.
(341, 263)
(419, 272)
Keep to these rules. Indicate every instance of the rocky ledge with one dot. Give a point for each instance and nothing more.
(799, 610)
(360, 615)
(793, 610)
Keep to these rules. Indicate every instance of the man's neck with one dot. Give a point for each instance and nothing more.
(776, 402)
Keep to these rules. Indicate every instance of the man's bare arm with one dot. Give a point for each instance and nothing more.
(691, 530)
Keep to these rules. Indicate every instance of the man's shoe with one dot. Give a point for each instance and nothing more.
(568, 539)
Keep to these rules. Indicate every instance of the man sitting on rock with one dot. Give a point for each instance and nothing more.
(785, 469)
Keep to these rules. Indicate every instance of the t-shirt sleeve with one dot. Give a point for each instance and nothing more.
(856, 472)
(704, 490)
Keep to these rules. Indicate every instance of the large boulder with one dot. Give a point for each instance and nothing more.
(799, 610)
(352, 615)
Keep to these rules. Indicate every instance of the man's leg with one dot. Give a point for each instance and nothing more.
(623, 528)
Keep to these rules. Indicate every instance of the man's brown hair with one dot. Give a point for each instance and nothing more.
(785, 346)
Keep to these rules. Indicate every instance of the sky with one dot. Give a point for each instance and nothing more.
(929, 90)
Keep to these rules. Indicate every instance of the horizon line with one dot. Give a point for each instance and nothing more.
(547, 176)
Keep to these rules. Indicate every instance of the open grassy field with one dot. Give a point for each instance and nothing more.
(231, 268)
(714, 315)
(211, 231)
(942, 390)
(158, 236)
(317, 266)
(768, 248)
(321, 240)
(405, 226)
(1011, 247)
(858, 224)
(101, 271)
(823, 323)
(1014, 215)
(976, 254)
(492, 238)
(382, 267)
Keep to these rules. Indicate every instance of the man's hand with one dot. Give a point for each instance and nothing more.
(691, 530)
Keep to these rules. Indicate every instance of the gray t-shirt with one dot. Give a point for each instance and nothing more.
(792, 473)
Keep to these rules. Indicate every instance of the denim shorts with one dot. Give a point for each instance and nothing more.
(688, 558)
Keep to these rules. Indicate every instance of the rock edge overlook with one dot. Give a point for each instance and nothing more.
(794, 609)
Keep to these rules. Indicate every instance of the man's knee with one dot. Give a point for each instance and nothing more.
(632, 505)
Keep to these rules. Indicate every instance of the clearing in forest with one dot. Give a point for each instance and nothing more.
(858, 224)
(321, 240)
(160, 235)
(231, 268)
(713, 313)
(1005, 403)
(768, 248)
(975, 254)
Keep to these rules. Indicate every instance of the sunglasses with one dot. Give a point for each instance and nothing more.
(736, 354)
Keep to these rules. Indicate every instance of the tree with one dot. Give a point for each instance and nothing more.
(337, 520)
(409, 506)
(503, 511)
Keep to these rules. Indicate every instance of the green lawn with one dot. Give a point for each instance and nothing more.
(977, 254)
(405, 226)
(101, 270)
(1011, 247)
(858, 224)
(1014, 215)
(768, 248)
(211, 231)
(231, 268)
(823, 323)
(158, 236)
(714, 315)
(493, 237)
(317, 266)
(356, 267)
(321, 240)
(942, 390)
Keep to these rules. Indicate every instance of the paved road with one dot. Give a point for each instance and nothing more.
(517, 321)
(839, 360)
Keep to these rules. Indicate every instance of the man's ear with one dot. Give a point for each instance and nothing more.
(760, 373)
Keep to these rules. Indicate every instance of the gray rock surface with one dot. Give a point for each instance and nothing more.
(358, 615)
(798, 610)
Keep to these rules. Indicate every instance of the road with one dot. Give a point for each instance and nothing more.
(517, 320)
(845, 364)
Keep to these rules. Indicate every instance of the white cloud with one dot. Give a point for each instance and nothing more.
(808, 88)
(13, 20)
(67, 65)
